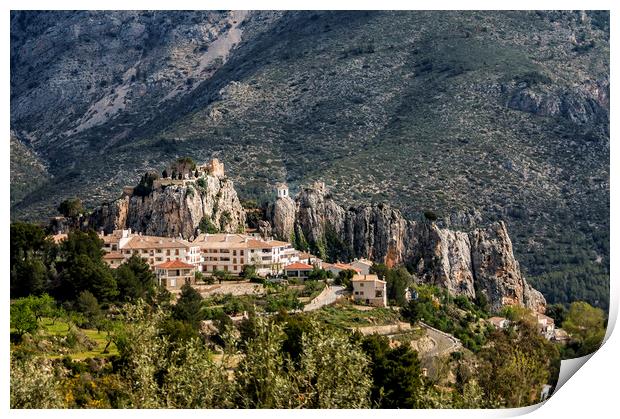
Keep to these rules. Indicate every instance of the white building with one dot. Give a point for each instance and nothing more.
(154, 250)
(282, 190)
(363, 265)
(499, 322)
(369, 289)
(336, 268)
(175, 273)
(231, 252)
(298, 270)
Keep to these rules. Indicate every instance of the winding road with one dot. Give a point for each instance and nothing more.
(444, 342)
(326, 297)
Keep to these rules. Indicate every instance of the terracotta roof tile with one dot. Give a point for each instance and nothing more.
(174, 264)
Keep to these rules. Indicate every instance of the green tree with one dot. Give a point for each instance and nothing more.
(317, 274)
(88, 305)
(28, 276)
(41, 306)
(333, 371)
(135, 279)
(586, 325)
(26, 238)
(35, 384)
(71, 208)
(188, 307)
(84, 274)
(344, 278)
(397, 378)
(193, 381)
(248, 272)
(145, 186)
(207, 226)
(82, 268)
(82, 243)
(514, 365)
(263, 377)
(557, 312)
(398, 280)
(23, 318)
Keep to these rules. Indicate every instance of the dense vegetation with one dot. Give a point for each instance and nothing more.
(96, 337)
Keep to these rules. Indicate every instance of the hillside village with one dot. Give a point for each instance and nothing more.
(205, 259)
(181, 250)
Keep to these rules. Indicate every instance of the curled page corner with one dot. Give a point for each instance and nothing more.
(569, 367)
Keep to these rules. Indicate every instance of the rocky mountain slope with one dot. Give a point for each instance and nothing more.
(481, 261)
(486, 115)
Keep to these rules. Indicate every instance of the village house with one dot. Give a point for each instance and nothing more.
(174, 274)
(560, 336)
(310, 259)
(546, 325)
(369, 289)
(499, 322)
(298, 270)
(153, 250)
(231, 252)
(363, 265)
(336, 268)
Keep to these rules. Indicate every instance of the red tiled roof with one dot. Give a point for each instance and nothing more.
(345, 266)
(174, 264)
(297, 266)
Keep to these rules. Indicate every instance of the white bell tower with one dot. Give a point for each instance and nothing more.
(282, 189)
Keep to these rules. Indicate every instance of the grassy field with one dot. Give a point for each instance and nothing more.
(54, 339)
(346, 315)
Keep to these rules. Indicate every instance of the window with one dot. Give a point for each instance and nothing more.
(234, 260)
(241, 253)
(234, 253)
(114, 247)
(361, 284)
(361, 292)
(235, 267)
(176, 252)
(225, 268)
(173, 282)
(168, 252)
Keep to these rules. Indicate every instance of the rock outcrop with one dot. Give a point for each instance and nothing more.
(175, 209)
(465, 263)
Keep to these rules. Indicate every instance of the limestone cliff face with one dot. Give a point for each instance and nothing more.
(497, 271)
(442, 257)
(464, 263)
(283, 217)
(175, 210)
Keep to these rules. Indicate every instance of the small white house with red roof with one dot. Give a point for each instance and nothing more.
(174, 274)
